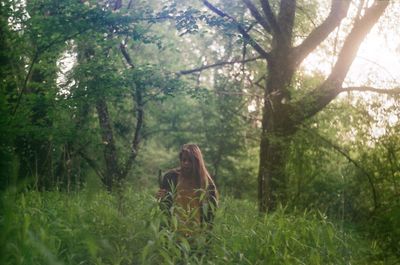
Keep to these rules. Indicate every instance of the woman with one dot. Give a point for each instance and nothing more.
(189, 191)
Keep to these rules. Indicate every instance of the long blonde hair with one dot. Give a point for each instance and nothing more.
(199, 166)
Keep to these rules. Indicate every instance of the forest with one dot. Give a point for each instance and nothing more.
(295, 105)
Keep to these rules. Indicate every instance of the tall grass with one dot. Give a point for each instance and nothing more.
(85, 228)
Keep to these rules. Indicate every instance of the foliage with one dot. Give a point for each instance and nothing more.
(50, 113)
(351, 172)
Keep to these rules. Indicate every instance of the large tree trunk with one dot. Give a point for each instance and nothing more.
(271, 175)
(277, 126)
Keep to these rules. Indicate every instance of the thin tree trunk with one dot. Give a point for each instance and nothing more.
(110, 151)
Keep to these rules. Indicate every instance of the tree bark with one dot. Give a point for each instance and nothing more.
(110, 151)
(138, 100)
(276, 131)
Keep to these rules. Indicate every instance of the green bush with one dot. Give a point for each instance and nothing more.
(99, 228)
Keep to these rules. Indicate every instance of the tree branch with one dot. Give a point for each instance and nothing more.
(25, 84)
(92, 163)
(304, 11)
(317, 99)
(138, 100)
(240, 28)
(337, 14)
(136, 137)
(270, 16)
(392, 91)
(355, 163)
(260, 19)
(204, 67)
(126, 55)
(353, 41)
(129, 4)
(237, 93)
(286, 15)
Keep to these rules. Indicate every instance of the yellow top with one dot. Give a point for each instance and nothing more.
(188, 206)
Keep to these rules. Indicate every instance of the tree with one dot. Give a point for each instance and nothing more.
(50, 126)
(116, 73)
(33, 38)
(282, 113)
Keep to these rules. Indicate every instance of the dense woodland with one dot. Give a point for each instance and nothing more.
(96, 97)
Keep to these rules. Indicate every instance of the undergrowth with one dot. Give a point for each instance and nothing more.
(86, 228)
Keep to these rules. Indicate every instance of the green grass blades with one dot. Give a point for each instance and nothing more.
(57, 228)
